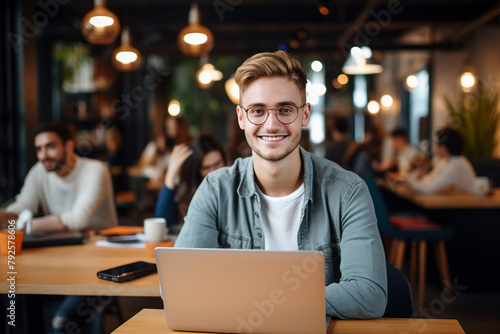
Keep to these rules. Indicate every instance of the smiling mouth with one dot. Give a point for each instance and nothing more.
(272, 138)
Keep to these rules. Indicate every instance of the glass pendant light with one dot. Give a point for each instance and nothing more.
(100, 25)
(126, 58)
(195, 39)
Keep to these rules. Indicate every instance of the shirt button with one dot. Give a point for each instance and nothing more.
(257, 214)
(260, 235)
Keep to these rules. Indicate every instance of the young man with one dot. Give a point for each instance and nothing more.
(283, 198)
(69, 192)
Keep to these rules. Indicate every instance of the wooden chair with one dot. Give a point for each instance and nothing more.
(418, 232)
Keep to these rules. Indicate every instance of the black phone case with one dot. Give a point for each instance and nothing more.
(120, 275)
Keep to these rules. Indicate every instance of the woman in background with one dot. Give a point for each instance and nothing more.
(189, 164)
(156, 155)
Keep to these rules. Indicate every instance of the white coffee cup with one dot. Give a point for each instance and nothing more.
(154, 229)
(481, 186)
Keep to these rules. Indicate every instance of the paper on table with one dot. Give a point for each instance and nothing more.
(139, 244)
(106, 243)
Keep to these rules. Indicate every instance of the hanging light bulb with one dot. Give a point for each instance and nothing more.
(232, 90)
(373, 107)
(174, 108)
(467, 81)
(411, 82)
(195, 39)
(100, 25)
(360, 62)
(386, 101)
(207, 74)
(126, 58)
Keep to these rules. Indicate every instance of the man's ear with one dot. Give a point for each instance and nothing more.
(239, 113)
(70, 145)
(307, 114)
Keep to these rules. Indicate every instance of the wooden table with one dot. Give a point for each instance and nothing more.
(444, 200)
(149, 321)
(71, 270)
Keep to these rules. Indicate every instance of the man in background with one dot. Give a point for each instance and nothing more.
(66, 191)
(407, 158)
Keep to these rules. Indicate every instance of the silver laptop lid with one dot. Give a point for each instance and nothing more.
(242, 291)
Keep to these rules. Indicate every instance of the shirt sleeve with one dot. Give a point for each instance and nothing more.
(30, 195)
(200, 223)
(166, 206)
(91, 195)
(436, 180)
(362, 289)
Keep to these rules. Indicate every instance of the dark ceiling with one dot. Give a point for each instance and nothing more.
(248, 26)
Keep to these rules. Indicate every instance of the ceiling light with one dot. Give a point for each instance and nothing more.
(373, 107)
(232, 90)
(356, 63)
(323, 10)
(317, 89)
(295, 44)
(411, 82)
(174, 108)
(195, 39)
(467, 81)
(126, 58)
(336, 83)
(386, 101)
(207, 75)
(100, 25)
(343, 79)
(316, 66)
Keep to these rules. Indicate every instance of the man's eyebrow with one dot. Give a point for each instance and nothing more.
(282, 103)
(50, 143)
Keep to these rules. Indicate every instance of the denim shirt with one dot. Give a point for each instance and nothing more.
(337, 219)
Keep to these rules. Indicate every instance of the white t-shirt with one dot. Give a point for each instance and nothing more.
(456, 172)
(83, 198)
(280, 218)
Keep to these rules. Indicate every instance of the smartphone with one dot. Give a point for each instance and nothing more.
(127, 272)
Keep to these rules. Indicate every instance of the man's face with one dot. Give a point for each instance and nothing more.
(398, 144)
(273, 140)
(51, 151)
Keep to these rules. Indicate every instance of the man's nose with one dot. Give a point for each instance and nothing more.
(41, 153)
(272, 120)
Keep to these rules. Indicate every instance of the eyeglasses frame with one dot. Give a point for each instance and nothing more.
(275, 111)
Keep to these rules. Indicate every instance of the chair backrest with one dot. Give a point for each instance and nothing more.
(384, 224)
(399, 297)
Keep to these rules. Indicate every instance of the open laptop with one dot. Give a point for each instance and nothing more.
(242, 291)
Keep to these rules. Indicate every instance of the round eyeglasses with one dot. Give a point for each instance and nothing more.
(285, 114)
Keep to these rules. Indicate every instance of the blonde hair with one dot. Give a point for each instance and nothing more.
(271, 64)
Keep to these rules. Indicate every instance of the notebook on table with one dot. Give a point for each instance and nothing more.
(44, 239)
(242, 291)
